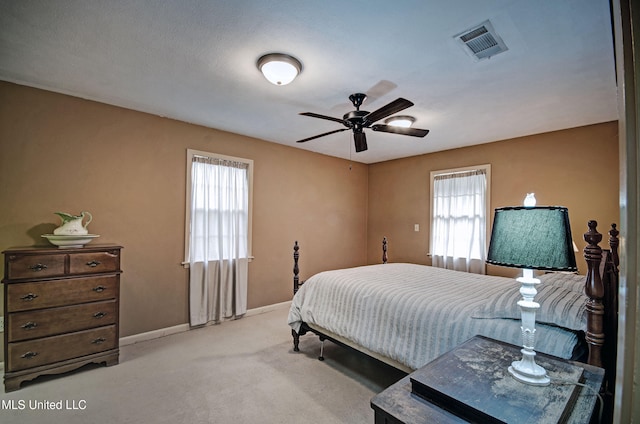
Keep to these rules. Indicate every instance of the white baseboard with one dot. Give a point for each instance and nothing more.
(155, 334)
(162, 332)
(268, 308)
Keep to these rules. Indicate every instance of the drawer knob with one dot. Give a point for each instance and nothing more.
(29, 326)
(99, 340)
(29, 355)
(29, 296)
(99, 289)
(93, 264)
(38, 267)
(100, 315)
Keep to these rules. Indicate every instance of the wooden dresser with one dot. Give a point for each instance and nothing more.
(61, 310)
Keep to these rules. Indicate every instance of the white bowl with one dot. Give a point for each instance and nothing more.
(65, 240)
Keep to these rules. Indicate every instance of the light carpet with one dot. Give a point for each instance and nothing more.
(242, 371)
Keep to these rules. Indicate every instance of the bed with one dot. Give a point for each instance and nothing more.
(407, 315)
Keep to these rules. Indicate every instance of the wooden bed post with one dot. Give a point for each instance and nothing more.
(613, 243)
(594, 290)
(296, 270)
(296, 285)
(610, 283)
(610, 275)
(384, 250)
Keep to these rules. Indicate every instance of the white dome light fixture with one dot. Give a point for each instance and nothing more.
(279, 68)
(400, 121)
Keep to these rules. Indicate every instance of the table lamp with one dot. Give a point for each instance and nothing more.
(531, 237)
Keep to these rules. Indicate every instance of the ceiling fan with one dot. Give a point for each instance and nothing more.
(357, 120)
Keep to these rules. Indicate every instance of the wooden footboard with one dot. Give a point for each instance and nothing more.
(296, 269)
(297, 284)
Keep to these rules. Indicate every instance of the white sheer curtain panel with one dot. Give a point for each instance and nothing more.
(459, 221)
(218, 255)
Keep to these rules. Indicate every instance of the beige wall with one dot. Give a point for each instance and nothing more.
(576, 168)
(60, 153)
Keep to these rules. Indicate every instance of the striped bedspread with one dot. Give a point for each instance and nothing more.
(414, 313)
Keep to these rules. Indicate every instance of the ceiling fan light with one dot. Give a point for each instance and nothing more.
(279, 68)
(400, 121)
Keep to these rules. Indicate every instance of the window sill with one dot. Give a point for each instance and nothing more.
(186, 264)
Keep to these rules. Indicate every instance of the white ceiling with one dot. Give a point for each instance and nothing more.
(195, 61)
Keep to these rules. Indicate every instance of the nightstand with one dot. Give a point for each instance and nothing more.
(471, 384)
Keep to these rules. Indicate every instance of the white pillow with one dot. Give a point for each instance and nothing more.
(558, 306)
(568, 280)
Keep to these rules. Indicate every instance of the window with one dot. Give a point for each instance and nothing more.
(218, 210)
(217, 235)
(459, 210)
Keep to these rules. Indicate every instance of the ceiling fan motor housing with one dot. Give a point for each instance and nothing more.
(354, 117)
(357, 99)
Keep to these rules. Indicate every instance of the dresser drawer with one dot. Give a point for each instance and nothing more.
(33, 353)
(70, 291)
(94, 262)
(49, 322)
(34, 266)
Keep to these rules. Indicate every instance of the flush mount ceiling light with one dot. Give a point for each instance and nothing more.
(279, 68)
(400, 121)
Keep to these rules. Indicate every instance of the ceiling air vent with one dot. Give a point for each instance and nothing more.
(482, 41)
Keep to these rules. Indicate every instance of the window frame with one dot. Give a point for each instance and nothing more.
(187, 226)
(487, 168)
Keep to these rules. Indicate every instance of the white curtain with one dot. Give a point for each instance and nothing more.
(459, 221)
(218, 255)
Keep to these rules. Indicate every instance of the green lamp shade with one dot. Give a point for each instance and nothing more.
(533, 238)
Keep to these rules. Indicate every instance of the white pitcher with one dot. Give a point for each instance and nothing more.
(72, 224)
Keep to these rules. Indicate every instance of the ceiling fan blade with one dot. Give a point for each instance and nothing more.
(381, 88)
(360, 141)
(321, 135)
(316, 115)
(415, 132)
(393, 107)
